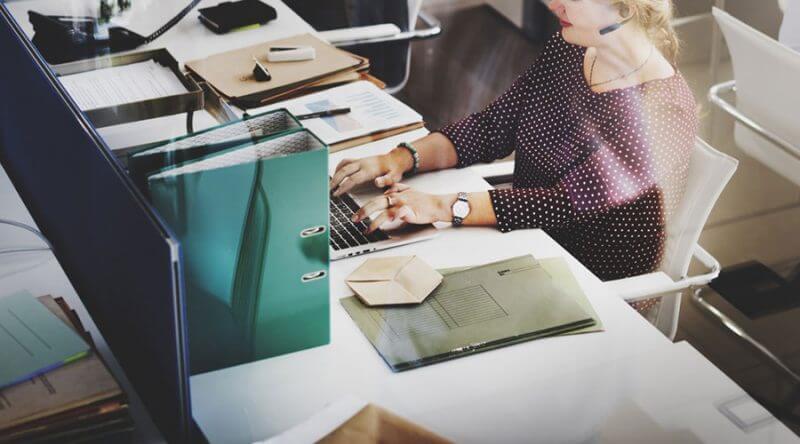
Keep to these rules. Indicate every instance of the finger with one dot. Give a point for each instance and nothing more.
(397, 200)
(382, 218)
(343, 163)
(344, 172)
(351, 182)
(406, 214)
(377, 204)
(339, 166)
(397, 188)
(388, 179)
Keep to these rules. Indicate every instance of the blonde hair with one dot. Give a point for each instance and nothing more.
(655, 17)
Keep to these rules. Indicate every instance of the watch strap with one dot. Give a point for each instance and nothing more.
(457, 220)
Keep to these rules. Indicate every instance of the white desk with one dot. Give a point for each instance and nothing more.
(558, 387)
(553, 390)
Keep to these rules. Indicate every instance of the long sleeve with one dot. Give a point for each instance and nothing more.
(611, 176)
(620, 169)
(489, 134)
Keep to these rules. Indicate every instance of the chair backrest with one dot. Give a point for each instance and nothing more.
(767, 77)
(709, 173)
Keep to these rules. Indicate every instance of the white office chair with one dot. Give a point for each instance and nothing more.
(387, 33)
(709, 173)
(767, 91)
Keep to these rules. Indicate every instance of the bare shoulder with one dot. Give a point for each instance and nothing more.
(658, 68)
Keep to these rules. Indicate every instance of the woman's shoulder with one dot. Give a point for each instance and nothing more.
(674, 92)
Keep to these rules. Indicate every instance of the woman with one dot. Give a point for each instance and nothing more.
(602, 126)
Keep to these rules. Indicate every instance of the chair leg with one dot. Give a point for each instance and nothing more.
(713, 312)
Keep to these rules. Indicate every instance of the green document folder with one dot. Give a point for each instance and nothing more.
(148, 159)
(565, 281)
(33, 340)
(473, 310)
(252, 223)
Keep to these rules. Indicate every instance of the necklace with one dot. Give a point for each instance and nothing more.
(594, 61)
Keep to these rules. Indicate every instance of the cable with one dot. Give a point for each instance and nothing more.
(26, 228)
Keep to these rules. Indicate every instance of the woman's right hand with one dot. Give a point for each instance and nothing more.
(384, 171)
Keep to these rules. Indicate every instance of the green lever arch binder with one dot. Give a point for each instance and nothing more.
(253, 225)
(148, 159)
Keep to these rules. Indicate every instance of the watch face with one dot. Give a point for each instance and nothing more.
(460, 209)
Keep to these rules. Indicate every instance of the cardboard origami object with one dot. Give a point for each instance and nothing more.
(393, 281)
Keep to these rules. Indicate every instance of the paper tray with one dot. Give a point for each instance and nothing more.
(145, 109)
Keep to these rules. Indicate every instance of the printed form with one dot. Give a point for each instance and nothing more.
(122, 84)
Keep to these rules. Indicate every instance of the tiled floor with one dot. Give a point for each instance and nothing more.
(757, 217)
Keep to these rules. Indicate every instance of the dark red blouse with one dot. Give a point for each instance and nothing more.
(600, 172)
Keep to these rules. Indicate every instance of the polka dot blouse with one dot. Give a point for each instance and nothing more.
(600, 172)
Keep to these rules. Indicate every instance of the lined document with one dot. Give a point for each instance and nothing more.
(122, 84)
(372, 111)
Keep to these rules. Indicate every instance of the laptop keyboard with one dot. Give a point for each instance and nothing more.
(344, 232)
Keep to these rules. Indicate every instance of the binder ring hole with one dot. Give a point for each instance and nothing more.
(313, 276)
(313, 231)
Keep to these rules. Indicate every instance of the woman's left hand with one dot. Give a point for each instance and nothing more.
(410, 206)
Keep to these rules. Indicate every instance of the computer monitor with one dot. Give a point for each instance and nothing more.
(118, 254)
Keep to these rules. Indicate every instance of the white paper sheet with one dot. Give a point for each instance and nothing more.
(122, 84)
(372, 110)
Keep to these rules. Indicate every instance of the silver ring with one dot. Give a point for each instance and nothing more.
(389, 201)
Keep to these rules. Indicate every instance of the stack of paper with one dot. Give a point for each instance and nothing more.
(77, 401)
(231, 73)
(118, 85)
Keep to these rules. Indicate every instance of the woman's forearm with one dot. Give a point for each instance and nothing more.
(436, 152)
(481, 209)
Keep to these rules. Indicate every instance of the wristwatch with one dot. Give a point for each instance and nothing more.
(460, 209)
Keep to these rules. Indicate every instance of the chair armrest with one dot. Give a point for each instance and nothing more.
(715, 96)
(651, 284)
(360, 33)
(364, 36)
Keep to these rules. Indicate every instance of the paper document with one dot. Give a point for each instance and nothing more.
(372, 111)
(474, 310)
(81, 383)
(122, 84)
(33, 340)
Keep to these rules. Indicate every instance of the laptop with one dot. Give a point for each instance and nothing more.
(348, 238)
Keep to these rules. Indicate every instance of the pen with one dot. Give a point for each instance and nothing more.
(327, 113)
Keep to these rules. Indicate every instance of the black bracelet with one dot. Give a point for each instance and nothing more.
(414, 155)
